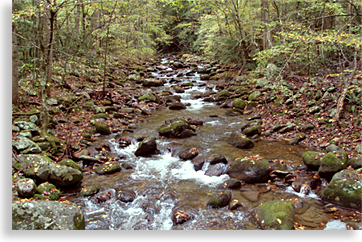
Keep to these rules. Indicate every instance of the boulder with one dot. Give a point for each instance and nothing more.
(147, 147)
(219, 200)
(216, 170)
(176, 105)
(240, 141)
(297, 138)
(102, 128)
(126, 196)
(333, 162)
(239, 103)
(254, 96)
(43, 168)
(232, 183)
(47, 215)
(250, 171)
(275, 215)
(90, 190)
(108, 168)
(151, 82)
(252, 130)
(189, 154)
(217, 159)
(178, 128)
(345, 189)
(312, 159)
(25, 145)
(47, 190)
(25, 187)
(150, 97)
(355, 162)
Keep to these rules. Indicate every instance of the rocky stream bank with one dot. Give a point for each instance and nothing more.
(92, 159)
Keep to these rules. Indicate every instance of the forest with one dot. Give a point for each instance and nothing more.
(102, 90)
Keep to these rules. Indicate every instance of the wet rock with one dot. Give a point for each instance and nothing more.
(251, 195)
(102, 197)
(198, 163)
(189, 154)
(204, 77)
(194, 121)
(70, 163)
(216, 170)
(219, 200)
(43, 168)
(276, 214)
(172, 98)
(232, 183)
(240, 141)
(182, 214)
(151, 207)
(345, 189)
(297, 138)
(47, 190)
(126, 196)
(217, 159)
(147, 147)
(90, 190)
(47, 215)
(250, 171)
(26, 187)
(178, 89)
(333, 162)
(312, 159)
(253, 130)
(176, 105)
(178, 128)
(234, 204)
(108, 168)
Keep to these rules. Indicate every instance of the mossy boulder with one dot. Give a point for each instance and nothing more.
(252, 130)
(232, 183)
(254, 96)
(108, 168)
(220, 200)
(25, 145)
(148, 98)
(25, 187)
(275, 215)
(43, 168)
(297, 138)
(102, 128)
(312, 159)
(47, 190)
(333, 162)
(239, 103)
(46, 215)
(175, 129)
(355, 162)
(250, 171)
(223, 95)
(176, 105)
(90, 190)
(240, 141)
(345, 189)
(70, 163)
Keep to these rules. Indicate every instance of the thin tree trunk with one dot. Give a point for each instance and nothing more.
(15, 80)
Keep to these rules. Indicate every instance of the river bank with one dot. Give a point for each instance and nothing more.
(103, 132)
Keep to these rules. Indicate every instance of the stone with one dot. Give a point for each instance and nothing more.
(239, 103)
(150, 97)
(26, 187)
(232, 183)
(126, 196)
(217, 159)
(333, 162)
(314, 109)
(275, 215)
(189, 154)
(355, 162)
(312, 159)
(252, 130)
(152, 82)
(108, 168)
(147, 147)
(254, 96)
(250, 171)
(297, 138)
(240, 141)
(176, 105)
(25, 145)
(345, 189)
(47, 215)
(219, 200)
(43, 169)
(90, 190)
(102, 128)
(216, 170)
(47, 190)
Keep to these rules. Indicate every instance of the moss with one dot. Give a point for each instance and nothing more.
(239, 141)
(239, 103)
(250, 171)
(276, 214)
(90, 190)
(47, 190)
(219, 200)
(148, 98)
(70, 163)
(312, 159)
(333, 162)
(102, 128)
(250, 131)
(108, 168)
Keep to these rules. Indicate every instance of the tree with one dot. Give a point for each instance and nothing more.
(15, 81)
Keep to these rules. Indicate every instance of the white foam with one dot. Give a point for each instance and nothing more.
(335, 225)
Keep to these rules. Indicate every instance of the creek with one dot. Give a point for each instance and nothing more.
(164, 184)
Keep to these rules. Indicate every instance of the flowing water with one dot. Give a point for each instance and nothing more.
(163, 183)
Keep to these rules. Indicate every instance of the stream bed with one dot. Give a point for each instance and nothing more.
(163, 184)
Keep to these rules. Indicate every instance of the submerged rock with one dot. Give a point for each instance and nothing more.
(275, 215)
(126, 196)
(250, 171)
(47, 215)
(345, 189)
(108, 168)
(219, 200)
(240, 141)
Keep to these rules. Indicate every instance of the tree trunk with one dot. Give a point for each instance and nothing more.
(15, 81)
(266, 40)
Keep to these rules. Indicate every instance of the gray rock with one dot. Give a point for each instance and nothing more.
(26, 187)
(43, 168)
(47, 215)
(345, 189)
(25, 145)
(147, 147)
(27, 126)
(239, 141)
(250, 171)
